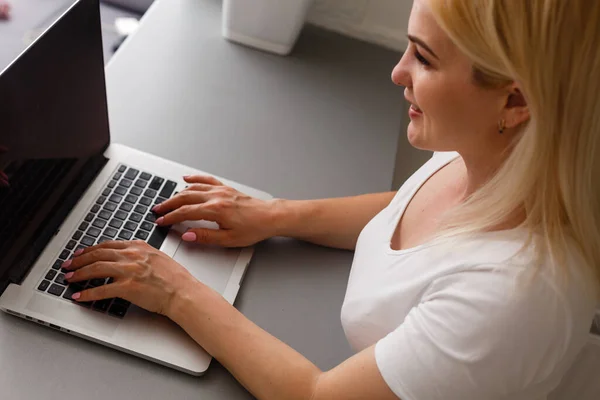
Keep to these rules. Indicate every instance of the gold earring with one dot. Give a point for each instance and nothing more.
(501, 126)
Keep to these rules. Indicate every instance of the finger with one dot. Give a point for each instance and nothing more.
(199, 187)
(90, 257)
(219, 237)
(211, 180)
(98, 269)
(180, 200)
(4, 176)
(187, 213)
(116, 289)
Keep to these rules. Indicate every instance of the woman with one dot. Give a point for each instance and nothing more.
(479, 278)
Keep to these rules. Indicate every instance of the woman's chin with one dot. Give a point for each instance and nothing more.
(415, 136)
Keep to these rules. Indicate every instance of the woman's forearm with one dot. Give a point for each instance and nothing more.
(333, 222)
(264, 365)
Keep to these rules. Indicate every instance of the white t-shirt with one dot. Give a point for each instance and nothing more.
(461, 321)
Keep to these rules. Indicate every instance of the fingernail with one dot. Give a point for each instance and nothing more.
(78, 252)
(67, 263)
(160, 221)
(156, 208)
(187, 176)
(69, 275)
(189, 237)
(76, 296)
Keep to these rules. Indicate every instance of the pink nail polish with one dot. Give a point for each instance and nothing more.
(78, 252)
(67, 263)
(156, 208)
(76, 296)
(69, 275)
(189, 237)
(160, 221)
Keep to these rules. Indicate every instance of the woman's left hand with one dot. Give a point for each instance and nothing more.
(142, 275)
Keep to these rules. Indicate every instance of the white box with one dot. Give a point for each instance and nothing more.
(271, 25)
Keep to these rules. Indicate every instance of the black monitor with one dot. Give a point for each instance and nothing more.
(53, 132)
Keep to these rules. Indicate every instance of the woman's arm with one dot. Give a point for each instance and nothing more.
(244, 220)
(333, 222)
(264, 365)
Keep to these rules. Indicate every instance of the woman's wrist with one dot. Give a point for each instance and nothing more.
(183, 301)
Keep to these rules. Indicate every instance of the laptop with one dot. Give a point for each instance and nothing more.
(65, 186)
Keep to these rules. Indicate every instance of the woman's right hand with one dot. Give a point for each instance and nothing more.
(243, 220)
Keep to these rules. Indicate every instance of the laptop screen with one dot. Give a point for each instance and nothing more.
(53, 131)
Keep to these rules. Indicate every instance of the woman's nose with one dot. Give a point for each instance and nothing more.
(401, 74)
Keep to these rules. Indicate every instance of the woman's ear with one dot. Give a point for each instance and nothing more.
(516, 110)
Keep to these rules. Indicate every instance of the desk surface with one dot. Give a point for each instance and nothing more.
(322, 122)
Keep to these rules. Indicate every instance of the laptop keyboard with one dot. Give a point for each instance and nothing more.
(121, 212)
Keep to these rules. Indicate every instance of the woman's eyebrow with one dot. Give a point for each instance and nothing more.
(422, 44)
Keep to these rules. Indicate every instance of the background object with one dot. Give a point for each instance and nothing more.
(270, 25)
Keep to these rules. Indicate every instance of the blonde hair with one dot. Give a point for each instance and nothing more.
(551, 48)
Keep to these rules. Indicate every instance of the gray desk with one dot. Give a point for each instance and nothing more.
(321, 122)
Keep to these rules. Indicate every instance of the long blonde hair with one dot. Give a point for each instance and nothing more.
(551, 48)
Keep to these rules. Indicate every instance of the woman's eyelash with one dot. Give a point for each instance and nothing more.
(421, 59)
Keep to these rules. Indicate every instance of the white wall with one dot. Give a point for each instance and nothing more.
(379, 21)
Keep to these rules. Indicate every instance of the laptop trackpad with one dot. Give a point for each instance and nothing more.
(211, 265)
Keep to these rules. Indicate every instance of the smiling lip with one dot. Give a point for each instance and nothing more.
(414, 112)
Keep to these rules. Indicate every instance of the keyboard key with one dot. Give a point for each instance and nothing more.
(131, 173)
(83, 226)
(89, 217)
(136, 191)
(125, 234)
(130, 225)
(115, 223)
(135, 217)
(131, 198)
(141, 209)
(147, 226)
(110, 232)
(57, 264)
(145, 176)
(77, 235)
(104, 215)
(156, 183)
(146, 201)
(101, 305)
(110, 206)
(150, 217)
(110, 280)
(106, 192)
(61, 279)
(71, 245)
(126, 183)
(93, 232)
(158, 237)
(122, 302)
(86, 304)
(120, 190)
(56, 290)
(71, 290)
(115, 198)
(122, 215)
(112, 184)
(43, 286)
(159, 200)
(122, 168)
(150, 193)
(80, 247)
(50, 275)
(126, 207)
(142, 235)
(99, 223)
(64, 254)
(88, 241)
(104, 239)
(101, 200)
(117, 310)
(117, 176)
(168, 189)
(141, 183)
(95, 208)
(97, 282)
